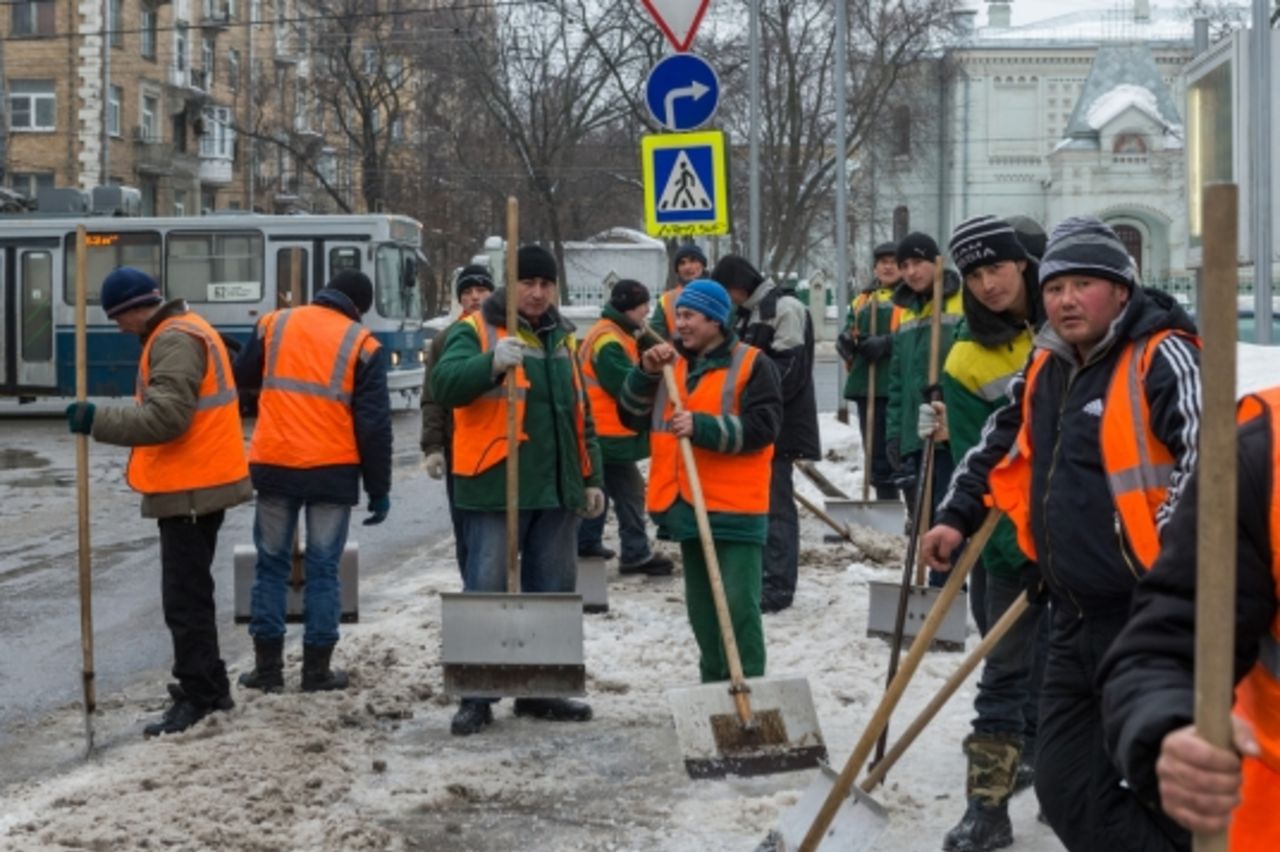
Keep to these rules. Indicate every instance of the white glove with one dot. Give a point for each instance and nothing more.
(595, 504)
(933, 421)
(434, 465)
(508, 352)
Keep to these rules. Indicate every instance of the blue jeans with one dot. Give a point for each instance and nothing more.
(624, 489)
(1009, 688)
(274, 522)
(548, 550)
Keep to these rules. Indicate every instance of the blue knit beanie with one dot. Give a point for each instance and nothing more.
(707, 298)
(127, 288)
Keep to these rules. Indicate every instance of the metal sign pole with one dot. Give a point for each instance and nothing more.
(842, 200)
(754, 251)
(1262, 153)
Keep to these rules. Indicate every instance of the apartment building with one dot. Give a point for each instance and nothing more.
(197, 103)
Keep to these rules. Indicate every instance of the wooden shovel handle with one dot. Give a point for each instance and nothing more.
(869, 433)
(977, 655)
(737, 683)
(840, 789)
(82, 490)
(513, 425)
(821, 515)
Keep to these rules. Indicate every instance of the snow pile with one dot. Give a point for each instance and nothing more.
(1107, 106)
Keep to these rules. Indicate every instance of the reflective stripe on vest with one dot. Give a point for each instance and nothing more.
(604, 408)
(211, 451)
(309, 378)
(1137, 464)
(480, 426)
(732, 480)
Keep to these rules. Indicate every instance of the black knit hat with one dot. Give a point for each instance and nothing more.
(474, 275)
(983, 240)
(127, 288)
(535, 262)
(692, 250)
(889, 249)
(627, 294)
(917, 245)
(1085, 245)
(736, 273)
(1030, 234)
(356, 286)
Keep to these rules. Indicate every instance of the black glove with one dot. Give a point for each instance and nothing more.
(893, 453)
(1033, 584)
(846, 346)
(876, 348)
(80, 417)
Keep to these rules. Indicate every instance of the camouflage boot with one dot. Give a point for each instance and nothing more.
(993, 765)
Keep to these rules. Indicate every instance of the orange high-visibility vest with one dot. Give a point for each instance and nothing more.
(880, 294)
(604, 408)
(480, 426)
(1255, 825)
(731, 481)
(310, 355)
(1137, 464)
(668, 302)
(211, 452)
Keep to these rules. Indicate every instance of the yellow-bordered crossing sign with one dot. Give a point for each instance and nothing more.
(686, 184)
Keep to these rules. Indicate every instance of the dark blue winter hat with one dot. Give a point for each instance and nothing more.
(692, 250)
(356, 286)
(707, 298)
(127, 288)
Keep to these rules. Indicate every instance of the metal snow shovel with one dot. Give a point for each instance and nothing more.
(1216, 512)
(512, 644)
(719, 730)
(82, 497)
(840, 529)
(836, 823)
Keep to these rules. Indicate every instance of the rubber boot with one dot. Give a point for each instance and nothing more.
(268, 666)
(316, 674)
(993, 766)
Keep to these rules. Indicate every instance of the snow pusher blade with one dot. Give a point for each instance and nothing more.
(884, 516)
(856, 826)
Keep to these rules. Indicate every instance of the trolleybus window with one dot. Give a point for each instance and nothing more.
(37, 306)
(396, 283)
(344, 257)
(106, 251)
(284, 277)
(209, 267)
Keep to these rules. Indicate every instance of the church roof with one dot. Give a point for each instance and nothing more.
(1121, 77)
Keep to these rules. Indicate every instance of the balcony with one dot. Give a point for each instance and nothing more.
(215, 170)
(154, 158)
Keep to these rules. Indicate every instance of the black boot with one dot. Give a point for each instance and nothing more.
(316, 674)
(655, 566)
(983, 827)
(556, 709)
(183, 713)
(268, 666)
(471, 717)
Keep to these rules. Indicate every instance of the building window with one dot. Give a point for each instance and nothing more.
(179, 202)
(901, 223)
(32, 105)
(233, 70)
(900, 144)
(32, 17)
(30, 183)
(115, 23)
(147, 31)
(115, 97)
(1129, 143)
(150, 123)
(218, 137)
(180, 48)
(255, 11)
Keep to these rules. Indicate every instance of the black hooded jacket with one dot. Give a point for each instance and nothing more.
(993, 329)
(1082, 553)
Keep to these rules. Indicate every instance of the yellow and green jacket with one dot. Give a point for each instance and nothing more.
(909, 368)
(858, 320)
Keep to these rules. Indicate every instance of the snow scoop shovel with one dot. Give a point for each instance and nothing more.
(82, 497)
(841, 530)
(837, 823)
(512, 644)
(753, 727)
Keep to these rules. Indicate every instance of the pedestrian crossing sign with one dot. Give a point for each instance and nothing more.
(686, 184)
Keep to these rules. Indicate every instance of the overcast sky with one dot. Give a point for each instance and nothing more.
(1030, 11)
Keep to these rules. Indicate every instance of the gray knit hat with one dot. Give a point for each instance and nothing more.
(1085, 245)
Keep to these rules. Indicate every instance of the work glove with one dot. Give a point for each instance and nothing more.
(846, 346)
(893, 453)
(80, 417)
(435, 465)
(877, 348)
(1033, 584)
(594, 507)
(378, 509)
(508, 352)
(932, 422)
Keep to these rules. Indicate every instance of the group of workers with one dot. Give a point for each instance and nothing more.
(1068, 398)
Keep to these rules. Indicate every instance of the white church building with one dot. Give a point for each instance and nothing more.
(1079, 113)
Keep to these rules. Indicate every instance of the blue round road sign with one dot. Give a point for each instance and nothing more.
(682, 92)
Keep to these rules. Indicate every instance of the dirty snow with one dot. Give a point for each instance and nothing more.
(375, 768)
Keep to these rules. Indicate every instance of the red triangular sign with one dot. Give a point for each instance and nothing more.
(678, 19)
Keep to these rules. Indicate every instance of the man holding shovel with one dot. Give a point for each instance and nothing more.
(189, 464)
(732, 416)
(559, 456)
(1097, 444)
(865, 349)
(1148, 675)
